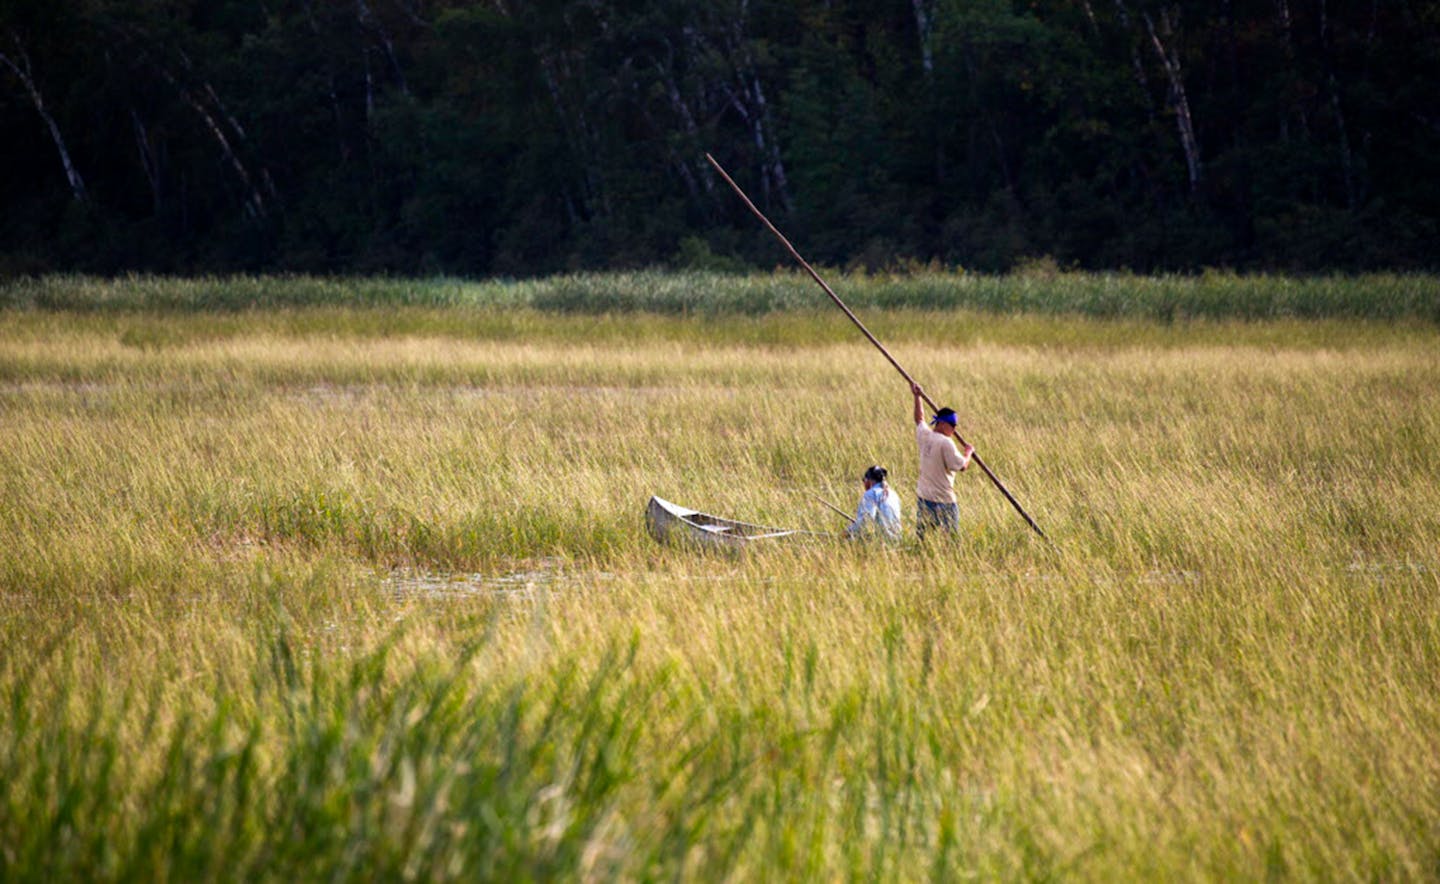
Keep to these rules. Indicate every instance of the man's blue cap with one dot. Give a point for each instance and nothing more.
(945, 418)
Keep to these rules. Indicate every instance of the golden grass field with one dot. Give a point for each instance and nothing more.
(366, 593)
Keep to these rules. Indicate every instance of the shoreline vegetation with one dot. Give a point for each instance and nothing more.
(306, 578)
(1040, 289)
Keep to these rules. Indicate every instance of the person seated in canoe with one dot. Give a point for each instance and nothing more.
(878, 514)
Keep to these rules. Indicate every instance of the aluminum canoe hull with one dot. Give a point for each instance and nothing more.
(676, 525)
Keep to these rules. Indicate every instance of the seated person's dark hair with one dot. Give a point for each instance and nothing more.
(877, 474)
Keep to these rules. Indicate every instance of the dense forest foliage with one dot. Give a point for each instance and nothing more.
(513, 138)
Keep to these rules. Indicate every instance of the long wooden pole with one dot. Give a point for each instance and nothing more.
(860, 325)
(841, 513)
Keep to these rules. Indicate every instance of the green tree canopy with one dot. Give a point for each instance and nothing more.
(440, 136)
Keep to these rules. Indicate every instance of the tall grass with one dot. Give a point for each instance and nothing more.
(1213, 295)
(214, 662)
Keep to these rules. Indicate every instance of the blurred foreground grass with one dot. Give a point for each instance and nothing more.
(362, 592)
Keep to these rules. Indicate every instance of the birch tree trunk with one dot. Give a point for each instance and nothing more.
(20, 67)
(369, 20)
(574, 126)
(149, 161)
(1170, 63)
(341, 143)
(923, 21)
(681, 108)
(1282, 17)
(751, 104)
(578, 134)
(1137, 65)
(1332, 85)
(255, 203)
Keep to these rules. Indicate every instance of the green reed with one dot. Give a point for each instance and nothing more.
(1039, 290)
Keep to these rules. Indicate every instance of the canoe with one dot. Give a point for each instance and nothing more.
(670, 523)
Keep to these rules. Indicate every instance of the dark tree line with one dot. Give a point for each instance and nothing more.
(505, 137)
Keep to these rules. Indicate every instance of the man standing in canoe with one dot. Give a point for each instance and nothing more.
(939, 462)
